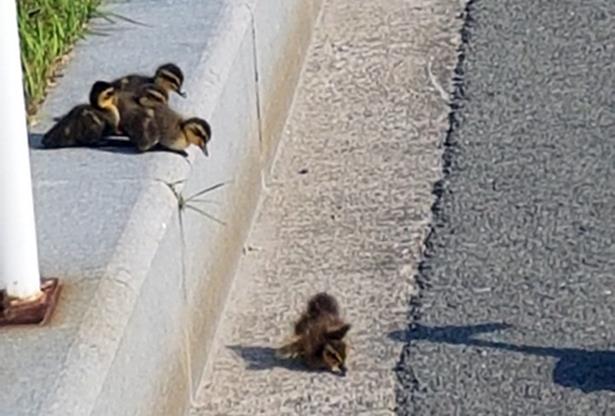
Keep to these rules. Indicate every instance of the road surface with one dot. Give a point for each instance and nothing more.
(517, 310)
(347, 210)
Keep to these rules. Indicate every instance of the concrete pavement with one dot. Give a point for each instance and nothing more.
(347, 211)
(142, 291)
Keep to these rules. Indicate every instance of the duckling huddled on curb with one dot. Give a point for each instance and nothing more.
(87, 124)
(169, 77)
(135, 106)
(148, 121)
(319, 336)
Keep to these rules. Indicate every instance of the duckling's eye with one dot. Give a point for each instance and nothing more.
(199, 132)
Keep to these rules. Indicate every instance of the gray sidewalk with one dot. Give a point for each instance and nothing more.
(347, 211)
(141, 292)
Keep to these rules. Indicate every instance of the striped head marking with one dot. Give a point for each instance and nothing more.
(152, 95)
(171, 78)
(198, 132)
(335, 350)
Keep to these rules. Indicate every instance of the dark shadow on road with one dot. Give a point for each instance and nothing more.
(264, 358)
(586, 370)
(111, 144)
(35, 140)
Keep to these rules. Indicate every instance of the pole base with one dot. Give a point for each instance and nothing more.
(38, 311)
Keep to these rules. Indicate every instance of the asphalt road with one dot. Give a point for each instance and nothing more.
(516, 307)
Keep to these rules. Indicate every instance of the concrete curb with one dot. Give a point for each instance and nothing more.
(141, 298)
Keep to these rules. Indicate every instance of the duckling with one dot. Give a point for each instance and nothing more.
(137, 111)
(169, 77)
(136, 104)
(318, 336)
(194, 130)
(157, 124)
(87, 124)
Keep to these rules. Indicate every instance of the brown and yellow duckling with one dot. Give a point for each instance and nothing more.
(135, 107)
(169, 77)
(319, 336)
(149, 122)
(87, 124)
(137, 110)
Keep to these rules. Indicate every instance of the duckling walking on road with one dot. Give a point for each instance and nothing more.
(318, 336)
(87, 124)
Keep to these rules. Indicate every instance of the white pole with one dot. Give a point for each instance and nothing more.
(19, 273)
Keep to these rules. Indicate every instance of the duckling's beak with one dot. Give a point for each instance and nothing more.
(205, 151)
(182, 93)
(339, 370)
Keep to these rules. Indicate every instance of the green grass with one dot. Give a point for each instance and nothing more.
(48, 29)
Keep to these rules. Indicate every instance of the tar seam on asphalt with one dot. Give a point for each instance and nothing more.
(406, 379)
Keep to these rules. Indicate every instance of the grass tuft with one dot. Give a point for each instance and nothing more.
(48, 29)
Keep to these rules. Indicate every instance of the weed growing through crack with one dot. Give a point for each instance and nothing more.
(184, 203)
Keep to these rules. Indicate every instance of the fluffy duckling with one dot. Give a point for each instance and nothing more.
(137, 111)
(319, 336)
(135, 105)
(169, 77)
(148, 121)
(194, 130)
(87, 124)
